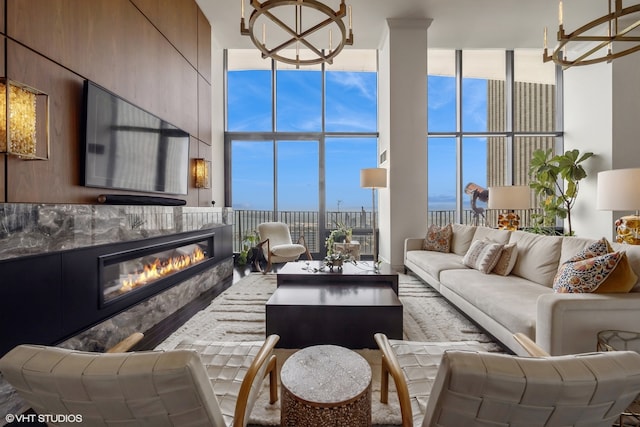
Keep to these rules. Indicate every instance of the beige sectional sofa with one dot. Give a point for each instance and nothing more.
(524, 301)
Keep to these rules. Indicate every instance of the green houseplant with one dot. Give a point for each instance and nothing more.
(548, 173)
(248, 242)
(340, 234)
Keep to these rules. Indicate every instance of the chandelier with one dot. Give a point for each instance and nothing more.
(280, 29)
(594, 40)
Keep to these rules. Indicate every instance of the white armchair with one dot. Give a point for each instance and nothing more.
(198, 384)
(277, 246)
(445, 387)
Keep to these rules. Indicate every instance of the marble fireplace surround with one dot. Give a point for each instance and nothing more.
(37, 231)
(31, 230)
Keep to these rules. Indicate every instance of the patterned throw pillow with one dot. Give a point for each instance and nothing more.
(438, 238)
(585, 275)
(483, 255)
(597, 268)
(507, 260)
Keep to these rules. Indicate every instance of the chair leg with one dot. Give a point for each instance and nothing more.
(273, 380)
(384, 382)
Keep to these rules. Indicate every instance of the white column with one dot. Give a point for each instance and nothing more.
(402, 121)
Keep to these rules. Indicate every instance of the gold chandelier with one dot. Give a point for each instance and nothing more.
(284, 40)
(596, 46)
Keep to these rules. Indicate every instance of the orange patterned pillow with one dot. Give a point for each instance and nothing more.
(438, 238)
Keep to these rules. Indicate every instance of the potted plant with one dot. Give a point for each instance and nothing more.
(248, 243)
(340, 234)
(547, 174)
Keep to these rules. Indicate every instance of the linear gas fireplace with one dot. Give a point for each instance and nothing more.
(128, 271)
(74, 290)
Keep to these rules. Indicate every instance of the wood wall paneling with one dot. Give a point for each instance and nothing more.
(205, 194)
(177, 20)
(112, 43)
(204, 46)
(56, 180)
(3, 42)
(204, 111)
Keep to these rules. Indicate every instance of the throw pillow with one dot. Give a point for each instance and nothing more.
(438, 238)
(601, 247)
(507, 260)
(623, 278)
(585, 275)
(483, 255)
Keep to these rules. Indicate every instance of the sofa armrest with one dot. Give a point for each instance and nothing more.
(413, 244)
(569, 323)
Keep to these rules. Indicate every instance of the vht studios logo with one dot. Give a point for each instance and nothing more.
(43, 418)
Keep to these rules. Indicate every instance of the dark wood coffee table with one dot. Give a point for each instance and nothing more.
(345, 315)
(362, 273)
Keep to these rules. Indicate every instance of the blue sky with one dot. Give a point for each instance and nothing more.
(350, 107)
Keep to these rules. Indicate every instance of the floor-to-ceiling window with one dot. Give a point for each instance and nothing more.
(296, 140)
(488, 110)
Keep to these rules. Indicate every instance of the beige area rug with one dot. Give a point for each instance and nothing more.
(238, 314)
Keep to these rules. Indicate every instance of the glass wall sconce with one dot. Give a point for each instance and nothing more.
(24, 121)
(201, 173)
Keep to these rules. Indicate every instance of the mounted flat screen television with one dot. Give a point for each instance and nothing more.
(128, 148)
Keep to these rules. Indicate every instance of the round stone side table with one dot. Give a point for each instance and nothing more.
(325, 385)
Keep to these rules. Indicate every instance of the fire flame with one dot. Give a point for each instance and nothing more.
(158, 269)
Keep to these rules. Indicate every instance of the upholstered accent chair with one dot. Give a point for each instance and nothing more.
(455, 387)
(277, 245)
(197, 384)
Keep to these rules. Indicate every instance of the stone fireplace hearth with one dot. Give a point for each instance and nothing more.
(60, 302)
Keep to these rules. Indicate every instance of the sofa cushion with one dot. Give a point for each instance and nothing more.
(482, 255)
(493, 234)
(510, 301)
(438, 238)
(538, 256)
(462, 237)
(622, 279)
(435, 262)
(507, 260)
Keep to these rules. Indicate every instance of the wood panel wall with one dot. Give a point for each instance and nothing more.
(154, 53)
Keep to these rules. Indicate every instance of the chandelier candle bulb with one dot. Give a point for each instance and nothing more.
(242, 9)
(350, 19)
(560, 13)
(264, 34)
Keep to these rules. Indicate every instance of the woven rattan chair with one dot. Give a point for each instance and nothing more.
(277, 246)
(198, 384)
(476, 388)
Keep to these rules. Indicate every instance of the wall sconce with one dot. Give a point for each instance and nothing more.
(24, 112)
(201, 173)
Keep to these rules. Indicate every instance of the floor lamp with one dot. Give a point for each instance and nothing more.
(373, 178)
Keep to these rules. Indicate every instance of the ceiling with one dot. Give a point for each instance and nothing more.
(457, 24)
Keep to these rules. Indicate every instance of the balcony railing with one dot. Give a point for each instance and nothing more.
(307, 223)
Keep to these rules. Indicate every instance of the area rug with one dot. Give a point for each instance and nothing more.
(238, 314)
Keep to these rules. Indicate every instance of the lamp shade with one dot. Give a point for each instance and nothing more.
(510, 197)
(619, 190)
(373, 178)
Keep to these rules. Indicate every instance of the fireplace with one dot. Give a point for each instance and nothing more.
(49, 298)
(121, 273)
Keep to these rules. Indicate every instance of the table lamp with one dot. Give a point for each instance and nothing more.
(510, 198)
(373, 178)
(619, 190)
